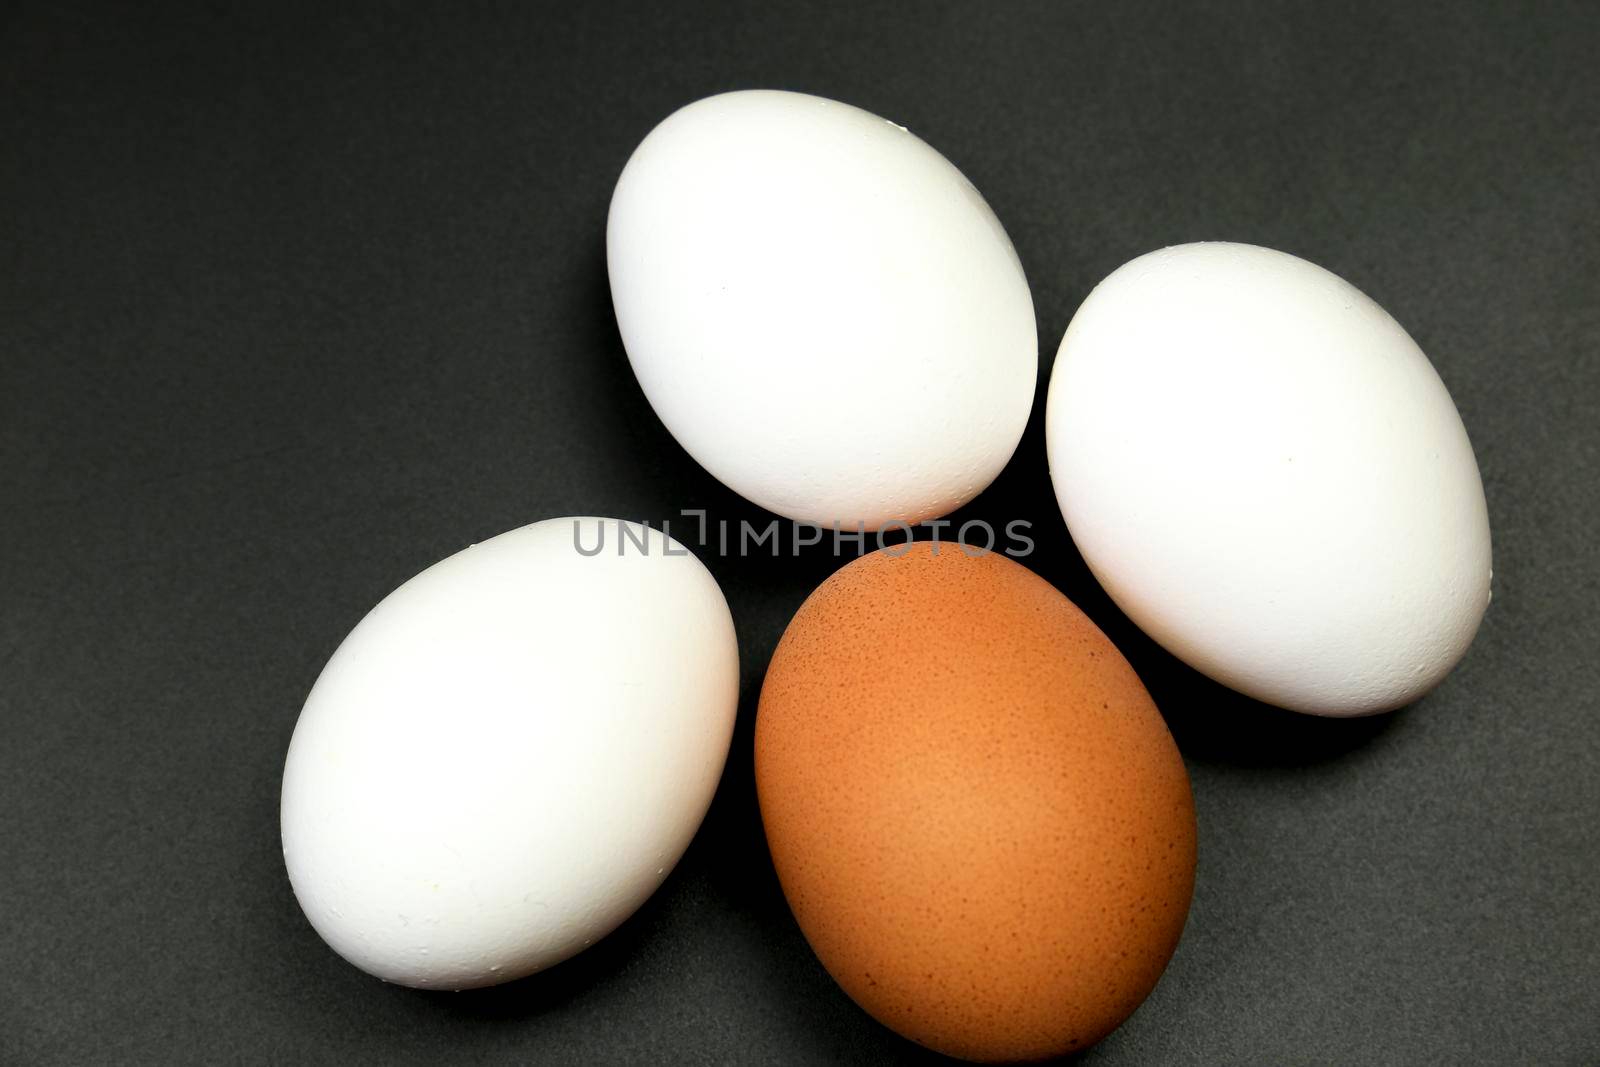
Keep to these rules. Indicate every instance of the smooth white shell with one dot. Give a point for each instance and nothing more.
(1267, 475)
(821, 309)
(504, 759)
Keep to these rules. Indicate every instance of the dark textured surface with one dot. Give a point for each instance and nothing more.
(296, 301)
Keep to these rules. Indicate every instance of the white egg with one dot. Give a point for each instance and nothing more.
(507, 756)
(1269, 478)
(821, 309)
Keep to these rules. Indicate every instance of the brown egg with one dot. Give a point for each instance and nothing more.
(977, 814)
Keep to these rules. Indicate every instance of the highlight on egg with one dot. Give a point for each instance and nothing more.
(1268, 476)
(976, 813)
(507, 756)
(821, 309)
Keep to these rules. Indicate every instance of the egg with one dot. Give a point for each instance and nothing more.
(821, 309)
(506, 757)
(975, 810)
(1267, 475)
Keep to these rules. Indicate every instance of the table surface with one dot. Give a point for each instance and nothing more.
(297, 300)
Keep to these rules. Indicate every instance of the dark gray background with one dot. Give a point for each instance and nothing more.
(295, 301)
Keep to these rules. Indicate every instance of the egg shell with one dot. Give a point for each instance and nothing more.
(977, 814)
(1267, 475)
(822, 310)
(507, 756)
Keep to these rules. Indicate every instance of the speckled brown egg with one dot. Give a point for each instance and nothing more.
(977, 814)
